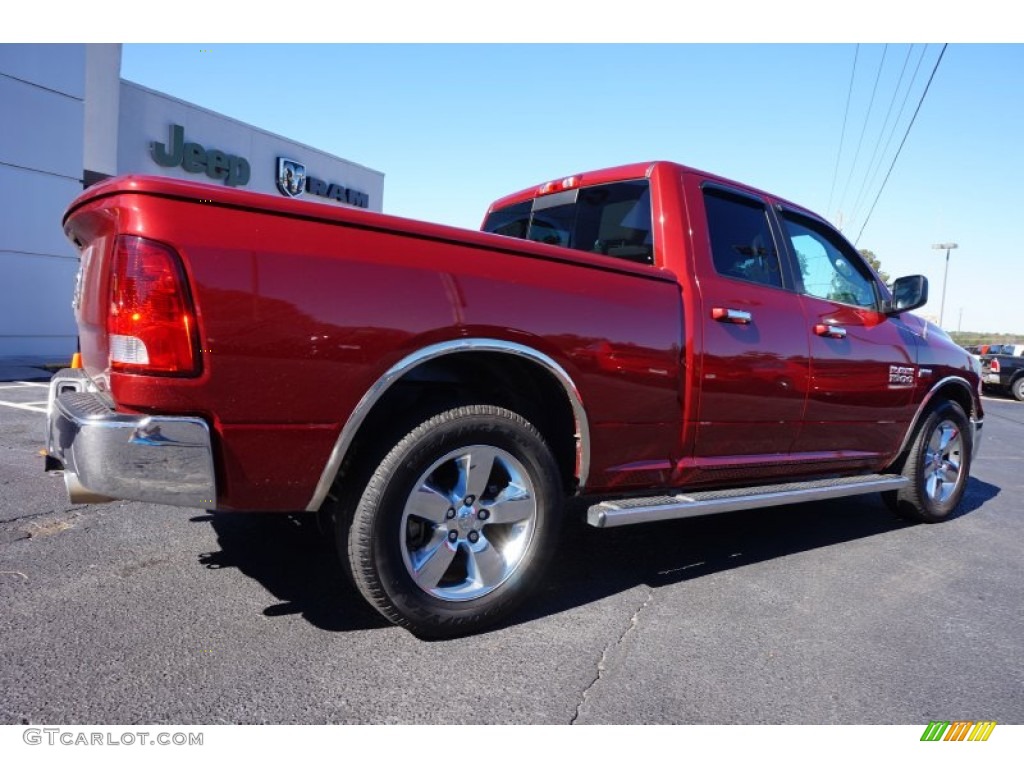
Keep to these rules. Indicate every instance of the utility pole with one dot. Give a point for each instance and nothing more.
(947, 247)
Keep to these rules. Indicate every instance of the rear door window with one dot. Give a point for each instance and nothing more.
(742, 246)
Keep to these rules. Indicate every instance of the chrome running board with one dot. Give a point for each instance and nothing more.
(610, 514)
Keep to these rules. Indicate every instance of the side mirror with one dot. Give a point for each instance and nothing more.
(908, 293)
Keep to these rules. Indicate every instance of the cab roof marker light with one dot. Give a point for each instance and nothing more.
(569, 182)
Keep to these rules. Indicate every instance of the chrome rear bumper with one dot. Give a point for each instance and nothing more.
(108, 455)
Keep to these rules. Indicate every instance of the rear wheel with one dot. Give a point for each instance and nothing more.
(1017, 389)
(456, 523)
(937, 465)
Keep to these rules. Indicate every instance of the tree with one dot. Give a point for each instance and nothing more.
(870, 257)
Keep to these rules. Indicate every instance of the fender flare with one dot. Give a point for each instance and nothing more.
(442, 349)
(923, 407)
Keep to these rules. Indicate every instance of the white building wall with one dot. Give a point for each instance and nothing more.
(146, 116)
(66, 114)
(102, 106)
(42, 92)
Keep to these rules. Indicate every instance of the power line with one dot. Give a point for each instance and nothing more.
(842, 134)
(896, 122)
(878, 142)
(904, 141)
(867, 117)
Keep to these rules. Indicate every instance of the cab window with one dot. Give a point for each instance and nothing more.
(609, 219)
(829, 268)
(742, 246)
(512, 220)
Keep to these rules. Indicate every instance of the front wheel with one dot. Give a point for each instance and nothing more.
(456, 522)
(938, 466)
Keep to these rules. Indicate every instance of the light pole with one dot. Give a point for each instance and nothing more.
(947, 247)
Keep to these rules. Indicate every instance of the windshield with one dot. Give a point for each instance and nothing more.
(610, 219)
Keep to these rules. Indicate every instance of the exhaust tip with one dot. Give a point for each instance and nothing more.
(79, 494)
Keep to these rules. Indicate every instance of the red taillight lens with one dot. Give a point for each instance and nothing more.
(151, 323)
(994, 365)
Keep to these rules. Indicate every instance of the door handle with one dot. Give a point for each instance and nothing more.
(831, 331)
(725, 315)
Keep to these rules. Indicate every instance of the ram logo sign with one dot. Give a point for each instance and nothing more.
(293, 180)
(291, 177)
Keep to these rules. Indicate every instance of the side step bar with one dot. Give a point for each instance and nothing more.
(611, 514)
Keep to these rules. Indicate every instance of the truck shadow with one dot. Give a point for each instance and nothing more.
(290, 557)
(604, 562)
(297, 564)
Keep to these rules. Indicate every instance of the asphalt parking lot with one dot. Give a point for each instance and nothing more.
(828, 613)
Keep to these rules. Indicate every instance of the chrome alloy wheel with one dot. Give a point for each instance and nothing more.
(943, 462)
(468, 523)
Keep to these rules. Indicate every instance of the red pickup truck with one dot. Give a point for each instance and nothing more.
(658, 340)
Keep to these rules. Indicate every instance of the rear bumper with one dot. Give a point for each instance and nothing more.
(108, 455)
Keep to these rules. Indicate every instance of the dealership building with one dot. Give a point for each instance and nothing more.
(68, 120)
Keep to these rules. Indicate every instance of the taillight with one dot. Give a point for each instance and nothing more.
(993, 365)
(151, 324)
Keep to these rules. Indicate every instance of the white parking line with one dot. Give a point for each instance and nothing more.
(1000, 399)
(34, 407)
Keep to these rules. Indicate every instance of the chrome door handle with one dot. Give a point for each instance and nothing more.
(831, 331)
(725, 315)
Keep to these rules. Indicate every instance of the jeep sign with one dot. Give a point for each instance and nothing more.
(234, 171)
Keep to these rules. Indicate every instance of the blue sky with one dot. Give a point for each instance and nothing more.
(455, 126)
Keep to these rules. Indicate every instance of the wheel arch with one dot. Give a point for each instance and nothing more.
(536, 383)
(950, 388)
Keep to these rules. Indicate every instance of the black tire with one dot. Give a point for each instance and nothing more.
(1017, 389)
(443, 566)
(938, 466)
